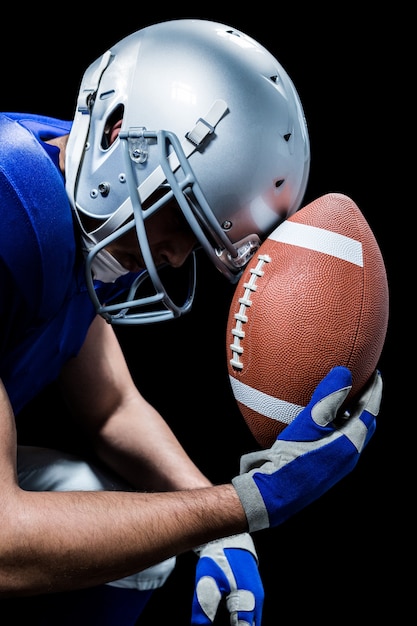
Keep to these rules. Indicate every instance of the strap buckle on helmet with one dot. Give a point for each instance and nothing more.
(205, 126)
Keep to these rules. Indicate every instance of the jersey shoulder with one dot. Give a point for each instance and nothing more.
(35, 215)
(43, 127)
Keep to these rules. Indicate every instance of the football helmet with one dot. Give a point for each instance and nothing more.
(207, 118)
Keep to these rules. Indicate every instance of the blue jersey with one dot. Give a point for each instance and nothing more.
(45, 310)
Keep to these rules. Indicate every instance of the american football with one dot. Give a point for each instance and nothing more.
(315, 295)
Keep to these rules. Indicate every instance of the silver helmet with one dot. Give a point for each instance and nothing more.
(209, 119)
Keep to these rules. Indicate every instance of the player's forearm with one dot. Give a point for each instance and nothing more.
(58, 541)
(140, 446)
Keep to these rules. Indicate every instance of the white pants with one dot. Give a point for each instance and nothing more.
(44, 469)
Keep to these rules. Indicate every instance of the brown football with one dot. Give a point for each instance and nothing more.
(315, 295)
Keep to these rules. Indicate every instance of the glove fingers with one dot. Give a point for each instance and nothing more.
(361, 423)
(228, 568)
(330, 394)
(370, 400)
(242, 608)
(322, 409)
(207, 598)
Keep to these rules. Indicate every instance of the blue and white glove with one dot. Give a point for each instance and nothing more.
(313, 453)
(228, 568)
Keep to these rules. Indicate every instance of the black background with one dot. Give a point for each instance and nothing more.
(339, 557)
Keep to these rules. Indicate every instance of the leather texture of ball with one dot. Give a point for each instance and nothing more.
(315, 295)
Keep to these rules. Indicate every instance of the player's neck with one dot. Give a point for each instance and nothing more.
(61, 143)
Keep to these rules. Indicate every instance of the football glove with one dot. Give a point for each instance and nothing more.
(228, 569)
(315, 451)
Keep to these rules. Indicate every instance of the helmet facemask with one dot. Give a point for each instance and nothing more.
(234, 168)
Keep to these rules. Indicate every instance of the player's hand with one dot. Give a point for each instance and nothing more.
(314, 452)
(228, 569)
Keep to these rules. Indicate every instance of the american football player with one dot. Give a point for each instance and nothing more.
(187, 135)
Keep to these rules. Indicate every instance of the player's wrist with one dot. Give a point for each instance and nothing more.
(252, 503)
